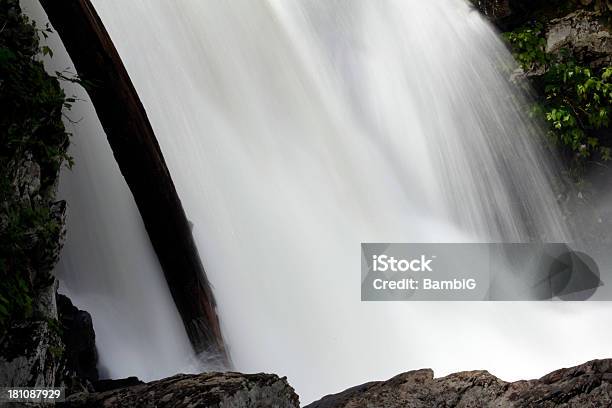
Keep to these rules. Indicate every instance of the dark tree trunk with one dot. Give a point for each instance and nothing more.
(137, 152)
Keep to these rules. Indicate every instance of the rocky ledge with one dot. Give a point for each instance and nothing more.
(587, 385)
(214, 390)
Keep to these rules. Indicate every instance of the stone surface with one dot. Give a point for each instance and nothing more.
(33, 143)
(222, 390)
(508, 14)
(495, 10)
(587, 385)
(30, 350)
(45, 305)
(80, 354)
(26, 183)
(30, 355)
(581, 35)
(109, 384)
(584, 35)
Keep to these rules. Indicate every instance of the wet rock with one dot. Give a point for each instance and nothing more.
(108, 385)
(580, 36)
(32, 223)
(79, 338)
(31, 349)
(30, 355)
(495, 10)
(45, 305)
(27, 178)
(584, 36)
(50, 252)
(587, 385)
(508, 14)
(204, 390)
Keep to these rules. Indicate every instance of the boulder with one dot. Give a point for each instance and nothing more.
(584, 36)
(80, 354)
(233, 390)
(587, 385)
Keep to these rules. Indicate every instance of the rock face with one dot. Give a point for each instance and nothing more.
(584, 35)
(33, 143)
(80, 357)
(30, 355)
(56, 348)
(222, 390)
(30, 349)
(507, 14)
(495, 10)
(587, 385)
(108, 384)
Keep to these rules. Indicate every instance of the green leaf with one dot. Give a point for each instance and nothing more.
(47, 51)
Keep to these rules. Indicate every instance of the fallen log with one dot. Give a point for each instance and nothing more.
(142, 164)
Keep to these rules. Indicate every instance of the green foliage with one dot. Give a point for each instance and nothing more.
(56, 351)
(576, 102)
(55, 326)
(529, 45)
(32, 100)
(31, 126)
(15, 300)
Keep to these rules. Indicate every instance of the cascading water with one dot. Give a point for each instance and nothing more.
(294, 130)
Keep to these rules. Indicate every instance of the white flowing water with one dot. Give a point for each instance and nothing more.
(294, 131)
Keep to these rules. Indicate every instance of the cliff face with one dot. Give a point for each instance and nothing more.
(33, 145)
(509, 14)
(32, 149)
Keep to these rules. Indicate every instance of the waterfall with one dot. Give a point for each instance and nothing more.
(294, 131)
